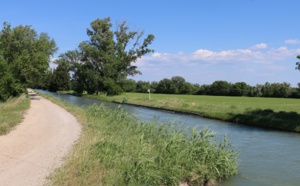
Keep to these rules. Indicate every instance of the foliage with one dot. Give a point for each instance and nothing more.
(142, 86)
(71, 57)
(85, 78)
(220, 88)
(104, 61)
(24, 58)
(153, 86)
(12, 112)
(9, 86)
(27, 53)
(240, 89)
(129, 85)
(276, 90)
(164, 86)
(60, 79)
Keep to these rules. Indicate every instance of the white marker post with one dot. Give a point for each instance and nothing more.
(149, 94)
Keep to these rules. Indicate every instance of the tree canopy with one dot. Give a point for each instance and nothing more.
(60, 78)
(104, 61)
(24, 56)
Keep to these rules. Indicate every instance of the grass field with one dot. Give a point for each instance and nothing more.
(276, 113)
(11, 113)
(117, 149)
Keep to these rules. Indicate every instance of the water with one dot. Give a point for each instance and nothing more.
(266, 157)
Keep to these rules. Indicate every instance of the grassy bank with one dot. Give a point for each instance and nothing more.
(275, 113)
(117, 149)
(11, 113)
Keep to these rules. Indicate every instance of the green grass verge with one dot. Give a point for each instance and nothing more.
(117, 149)
(11, 113)
(275, 113)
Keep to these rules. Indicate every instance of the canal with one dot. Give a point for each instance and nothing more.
(266, 157)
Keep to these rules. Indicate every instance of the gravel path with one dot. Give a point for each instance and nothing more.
(37, 146)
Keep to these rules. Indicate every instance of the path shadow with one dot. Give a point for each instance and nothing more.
(33, 96)
(282, 120)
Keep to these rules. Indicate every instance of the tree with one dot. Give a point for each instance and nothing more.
(111, 54)
(286, 89)
(27, 54)
(71, 57)
(153, 86)
(240, 89)
(142, 86)
(187, 88)
(128, 85)
(177, 84)
(9, 86)
(85, 78)
(221, 88)
(203, 90)
(256, 91)
(281, 90)
(164, 86)
(298, 63)
(61, 78)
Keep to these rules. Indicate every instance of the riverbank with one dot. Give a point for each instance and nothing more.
(117, 149)
(273, 113)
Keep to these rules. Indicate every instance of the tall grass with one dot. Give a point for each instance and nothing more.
(117, 149)
(11, 112)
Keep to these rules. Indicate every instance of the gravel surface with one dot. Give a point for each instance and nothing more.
(30, 152)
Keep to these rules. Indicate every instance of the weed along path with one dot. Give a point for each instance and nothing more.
(30, 152)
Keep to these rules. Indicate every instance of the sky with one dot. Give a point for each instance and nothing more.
(254, 41)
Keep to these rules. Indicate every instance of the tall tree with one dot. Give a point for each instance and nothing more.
(26, 53)
(221, 88)
(111, 54)
(85, 79)
(164, 86)
(71, 57)
(142, 86)
(240, 89)
(177, 84)
(60, 79)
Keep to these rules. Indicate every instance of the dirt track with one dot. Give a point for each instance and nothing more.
(30, 152)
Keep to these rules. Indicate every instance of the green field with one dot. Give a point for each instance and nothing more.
(276, 113)
(11, 112)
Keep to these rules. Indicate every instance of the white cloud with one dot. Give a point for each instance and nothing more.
(53, 59)
(259, 46)
(257, 64)
(292, 41)
(203, 56)
(282, 53)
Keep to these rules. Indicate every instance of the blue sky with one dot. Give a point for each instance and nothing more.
(254, 41)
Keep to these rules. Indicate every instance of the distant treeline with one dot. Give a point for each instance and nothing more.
(178, 85)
